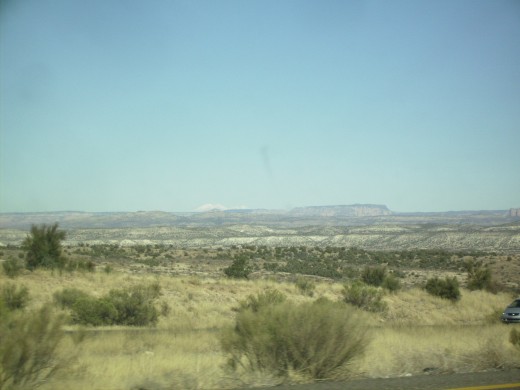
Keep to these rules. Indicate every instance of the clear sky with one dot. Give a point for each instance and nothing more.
(120, 105)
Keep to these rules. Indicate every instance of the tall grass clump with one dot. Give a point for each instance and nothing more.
(28, 348)
(315, 340)
(447, 288)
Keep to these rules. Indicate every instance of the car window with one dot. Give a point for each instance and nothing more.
(515, 303)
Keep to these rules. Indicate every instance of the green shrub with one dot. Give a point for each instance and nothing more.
(134, 306)
(93, 311)
(67, 297)
(365, 297)
(12, 267)
(374, 276)
(447, 288)
(239, 269)
(305, 286)
(28, 348)
(13, 297)
(316, 339)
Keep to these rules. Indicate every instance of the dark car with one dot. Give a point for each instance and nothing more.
(512, 312)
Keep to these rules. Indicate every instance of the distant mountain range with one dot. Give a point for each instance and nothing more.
(340, 215)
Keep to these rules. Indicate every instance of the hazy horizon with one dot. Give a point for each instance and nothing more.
(207, 208)
(173, 105)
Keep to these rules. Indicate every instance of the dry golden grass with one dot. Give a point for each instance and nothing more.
(183, 352)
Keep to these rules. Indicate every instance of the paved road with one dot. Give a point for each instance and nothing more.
(509, 379)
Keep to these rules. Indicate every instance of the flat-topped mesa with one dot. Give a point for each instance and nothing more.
(355, 210)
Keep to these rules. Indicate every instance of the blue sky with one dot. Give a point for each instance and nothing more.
(112, 105)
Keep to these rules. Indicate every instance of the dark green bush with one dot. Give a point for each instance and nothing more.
(239, 269)
(316, 339)
(447, 288)
(43, 247)
(12, 267)
(374, 276)
(369, 298)
(93, 311)
(15, 297)
(28, 348)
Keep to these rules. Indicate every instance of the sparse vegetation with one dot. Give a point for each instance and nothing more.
(199, 301)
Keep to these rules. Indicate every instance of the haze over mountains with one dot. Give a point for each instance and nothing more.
(341, 215)
(361, 225)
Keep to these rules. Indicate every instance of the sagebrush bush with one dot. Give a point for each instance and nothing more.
(369, 298)
(315, 339)
(447, 288)
(28, 348)
(14, 297)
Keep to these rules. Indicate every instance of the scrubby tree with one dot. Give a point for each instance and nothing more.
(43, 247)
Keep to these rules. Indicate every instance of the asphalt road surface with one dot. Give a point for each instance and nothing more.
(489, 380)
